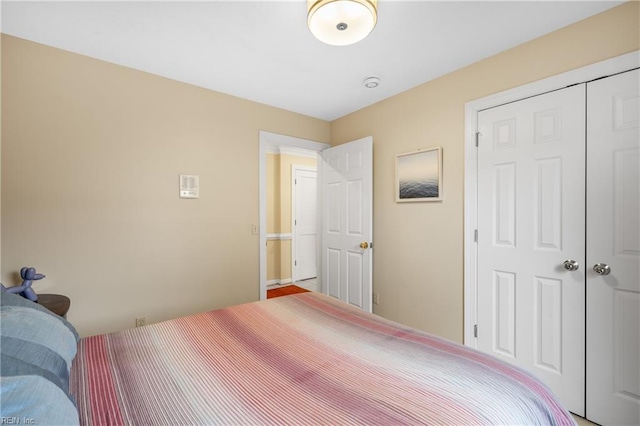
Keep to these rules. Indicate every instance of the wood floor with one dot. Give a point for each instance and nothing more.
(285, 291)
(581, 421)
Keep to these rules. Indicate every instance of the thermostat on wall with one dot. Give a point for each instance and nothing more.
(189, 186)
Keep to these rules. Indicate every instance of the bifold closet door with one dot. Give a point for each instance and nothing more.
(531, 238)
(613, 250)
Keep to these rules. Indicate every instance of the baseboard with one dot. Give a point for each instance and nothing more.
(279, 282)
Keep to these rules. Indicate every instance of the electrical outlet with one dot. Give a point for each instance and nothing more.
(376, 298)
(254, 229)
(141, 321)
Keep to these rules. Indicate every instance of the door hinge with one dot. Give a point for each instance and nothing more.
(475, 236)
(295, 263)
(477, 138)
(475, 330)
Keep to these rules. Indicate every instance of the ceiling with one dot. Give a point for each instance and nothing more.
(263, 51)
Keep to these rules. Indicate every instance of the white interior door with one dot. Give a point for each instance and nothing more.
(613, 239)
(531, 200)
(305, 227)
(346, 175)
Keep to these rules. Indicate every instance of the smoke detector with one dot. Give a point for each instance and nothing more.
(371, 82)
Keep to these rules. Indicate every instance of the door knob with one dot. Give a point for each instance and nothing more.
(602, 269)
(571, 265)
(364, 245)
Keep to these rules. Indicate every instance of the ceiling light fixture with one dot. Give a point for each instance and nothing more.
(341, 22)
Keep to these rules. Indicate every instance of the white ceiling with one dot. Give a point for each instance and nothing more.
(263, 51)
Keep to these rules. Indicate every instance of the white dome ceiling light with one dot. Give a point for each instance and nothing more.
(341, 22)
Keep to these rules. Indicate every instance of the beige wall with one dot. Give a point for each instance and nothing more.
(91, 154)
(274, 260)
(418, 260)
(279, 196)
(273, 193)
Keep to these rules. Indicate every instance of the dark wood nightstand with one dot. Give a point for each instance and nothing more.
(56, 303)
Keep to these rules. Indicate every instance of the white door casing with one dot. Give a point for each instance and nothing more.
(613, 238)
(530, 220)
(587, 73)
(347, 194)
(305, 226)
(591, 72)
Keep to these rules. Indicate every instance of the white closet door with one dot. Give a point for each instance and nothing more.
(531, 160)
(613, 239)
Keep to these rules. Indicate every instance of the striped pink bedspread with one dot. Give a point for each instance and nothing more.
(301, 359)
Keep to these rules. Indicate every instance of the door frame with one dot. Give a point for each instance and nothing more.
(294, 169)
(579, 75)
(274, 142)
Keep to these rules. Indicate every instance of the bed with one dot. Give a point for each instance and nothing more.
(299, 359)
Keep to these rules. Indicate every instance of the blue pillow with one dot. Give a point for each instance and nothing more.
(37, 349)
(10, 299)
(31, 325)
(35, 400)
(36, 361)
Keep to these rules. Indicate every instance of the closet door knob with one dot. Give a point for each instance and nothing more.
(571, 265)
(602, 269)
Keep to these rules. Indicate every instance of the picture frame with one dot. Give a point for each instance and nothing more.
(419, 176)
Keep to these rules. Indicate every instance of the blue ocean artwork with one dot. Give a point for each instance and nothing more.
(418, 175)
(423, 188)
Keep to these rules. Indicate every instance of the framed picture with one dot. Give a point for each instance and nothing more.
(419, 176)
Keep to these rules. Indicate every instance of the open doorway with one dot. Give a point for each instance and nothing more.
(278, 156)
(292, 229)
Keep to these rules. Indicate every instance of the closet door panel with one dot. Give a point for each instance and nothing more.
(613, 239)
(531, 160)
